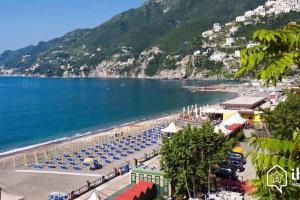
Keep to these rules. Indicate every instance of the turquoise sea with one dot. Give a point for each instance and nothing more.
(38, 110)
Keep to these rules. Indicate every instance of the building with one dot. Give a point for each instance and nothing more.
(233, 29)
(217, 27)
(218, 56)
(229, 41)
(207, 33)
(144, 173)
(240, 19)
(237, 53)
(249, 13)
(246, 106)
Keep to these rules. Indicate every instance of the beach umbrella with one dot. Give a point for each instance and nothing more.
(196, 111)
(188, 110)
(88, 161)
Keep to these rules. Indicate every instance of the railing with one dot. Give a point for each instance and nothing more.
(92, 185)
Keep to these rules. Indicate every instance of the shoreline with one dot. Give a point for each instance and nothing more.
(112, 77)
(83, 136)
(100, 132)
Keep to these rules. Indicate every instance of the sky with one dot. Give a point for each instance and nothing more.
(26, 22)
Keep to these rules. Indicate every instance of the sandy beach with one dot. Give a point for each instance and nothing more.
(19, 177)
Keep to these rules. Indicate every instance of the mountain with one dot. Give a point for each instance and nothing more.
(152, 40)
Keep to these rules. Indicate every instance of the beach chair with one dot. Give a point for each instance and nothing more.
(76, 167)
(137, 149)
(72, 163)
(47, 162)
(66, 155)
(70, 159)
(86, 164)
(58, 158)
(37, 166)
(51, 166)
(63, 167)
(110, 154)
(116, 158)
(123, 154)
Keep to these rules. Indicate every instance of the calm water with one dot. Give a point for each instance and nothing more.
(36, 110)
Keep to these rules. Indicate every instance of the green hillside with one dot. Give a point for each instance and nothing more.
(174, 26)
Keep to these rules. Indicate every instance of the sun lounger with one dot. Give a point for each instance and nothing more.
(63, 166)
(76, 167)
(37, 166)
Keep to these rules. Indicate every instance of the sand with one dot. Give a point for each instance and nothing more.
(37, 184)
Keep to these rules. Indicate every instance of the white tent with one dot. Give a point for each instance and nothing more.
(223, 129)
(172, 128)
(234, 119)
(94, 196)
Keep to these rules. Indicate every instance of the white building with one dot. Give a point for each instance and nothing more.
(240, 19)
(218, 56)
(249, 14)
(237, 53)
(207, 33)
(197, 53)
(233, 29)
(260, 10)
(217, 27)
(229, 41)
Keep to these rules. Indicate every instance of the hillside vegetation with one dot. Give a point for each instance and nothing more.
(139, 42)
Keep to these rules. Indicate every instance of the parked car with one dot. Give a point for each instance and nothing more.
(236, 165)
(237, 157)
(226, 172)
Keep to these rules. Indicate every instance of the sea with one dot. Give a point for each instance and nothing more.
(37, 111)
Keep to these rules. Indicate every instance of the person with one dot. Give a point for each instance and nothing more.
(88, 184)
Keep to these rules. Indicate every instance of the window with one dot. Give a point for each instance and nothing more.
(157, 180)
(166, 186)
(141, 177)
(149, 178)
(133, 178)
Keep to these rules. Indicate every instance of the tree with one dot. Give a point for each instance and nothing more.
(276, 52)
(269, 152)
(285, 118)
(189, 155)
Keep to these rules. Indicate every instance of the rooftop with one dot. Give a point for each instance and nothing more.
(245, 102)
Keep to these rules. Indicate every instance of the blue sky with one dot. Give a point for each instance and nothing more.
(25, 22)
